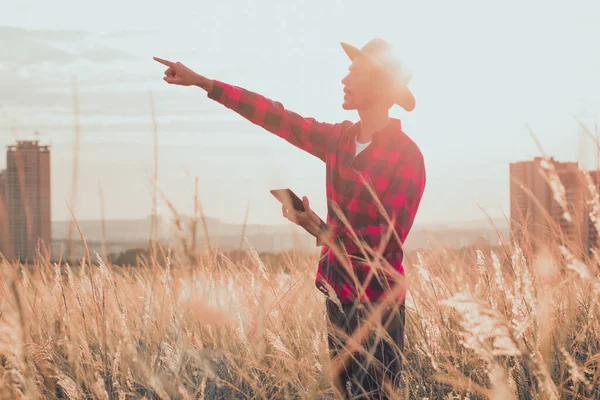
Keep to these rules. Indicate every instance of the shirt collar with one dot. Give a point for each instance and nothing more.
(392, 130)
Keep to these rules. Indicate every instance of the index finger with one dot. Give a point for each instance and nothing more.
(165, 62)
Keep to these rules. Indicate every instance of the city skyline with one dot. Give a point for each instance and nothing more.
(537, 211)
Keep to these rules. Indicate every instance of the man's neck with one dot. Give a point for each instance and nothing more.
(371, 121)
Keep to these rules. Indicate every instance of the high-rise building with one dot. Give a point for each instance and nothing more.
(593, 237)
(5, 248)
(537, 216)
(28, 199)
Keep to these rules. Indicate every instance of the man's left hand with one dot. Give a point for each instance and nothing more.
(307, 219)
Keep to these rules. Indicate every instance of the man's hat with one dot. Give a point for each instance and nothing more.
(378, 53)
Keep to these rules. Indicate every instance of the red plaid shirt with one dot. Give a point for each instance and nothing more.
(392, 165)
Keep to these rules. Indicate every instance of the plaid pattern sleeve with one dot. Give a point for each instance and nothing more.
(305, 133)
(400, 204)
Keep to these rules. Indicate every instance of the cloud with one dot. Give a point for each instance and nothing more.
(127, 34)
(22, 47)
(105, 54)
(16, 34)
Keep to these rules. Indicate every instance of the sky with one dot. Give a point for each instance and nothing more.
(483, 73)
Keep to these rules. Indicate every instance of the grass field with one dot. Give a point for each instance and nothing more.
(484, 323)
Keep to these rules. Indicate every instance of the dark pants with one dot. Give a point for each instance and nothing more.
(361, 378)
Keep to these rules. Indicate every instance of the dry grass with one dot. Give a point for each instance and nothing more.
(491, 324)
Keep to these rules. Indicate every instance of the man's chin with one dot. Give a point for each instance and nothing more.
(348, 106)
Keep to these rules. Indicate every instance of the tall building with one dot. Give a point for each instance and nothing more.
(593, 237)
(537, 217)
(5, 248)
(28, 198)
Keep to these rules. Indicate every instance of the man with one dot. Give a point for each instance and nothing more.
(375, 178)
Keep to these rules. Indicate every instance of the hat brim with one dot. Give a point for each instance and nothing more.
(351, 51)
(403, 96)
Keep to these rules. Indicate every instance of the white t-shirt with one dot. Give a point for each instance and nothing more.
(360, 147)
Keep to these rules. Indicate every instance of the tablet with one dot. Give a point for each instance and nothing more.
(288, 198)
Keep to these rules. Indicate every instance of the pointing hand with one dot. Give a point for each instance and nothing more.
(179, 74)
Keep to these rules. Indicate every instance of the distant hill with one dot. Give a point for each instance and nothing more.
(123, 234)
(139, 229)
(500, 223)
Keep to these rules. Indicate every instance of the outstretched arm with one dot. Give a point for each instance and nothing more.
(305, 133)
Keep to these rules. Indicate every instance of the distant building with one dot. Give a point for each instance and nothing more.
(28, 198)
(5, 247)
(537, 218)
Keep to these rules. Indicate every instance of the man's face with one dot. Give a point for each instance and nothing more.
(363, 87)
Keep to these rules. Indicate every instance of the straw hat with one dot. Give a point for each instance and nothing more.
(378, 53)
